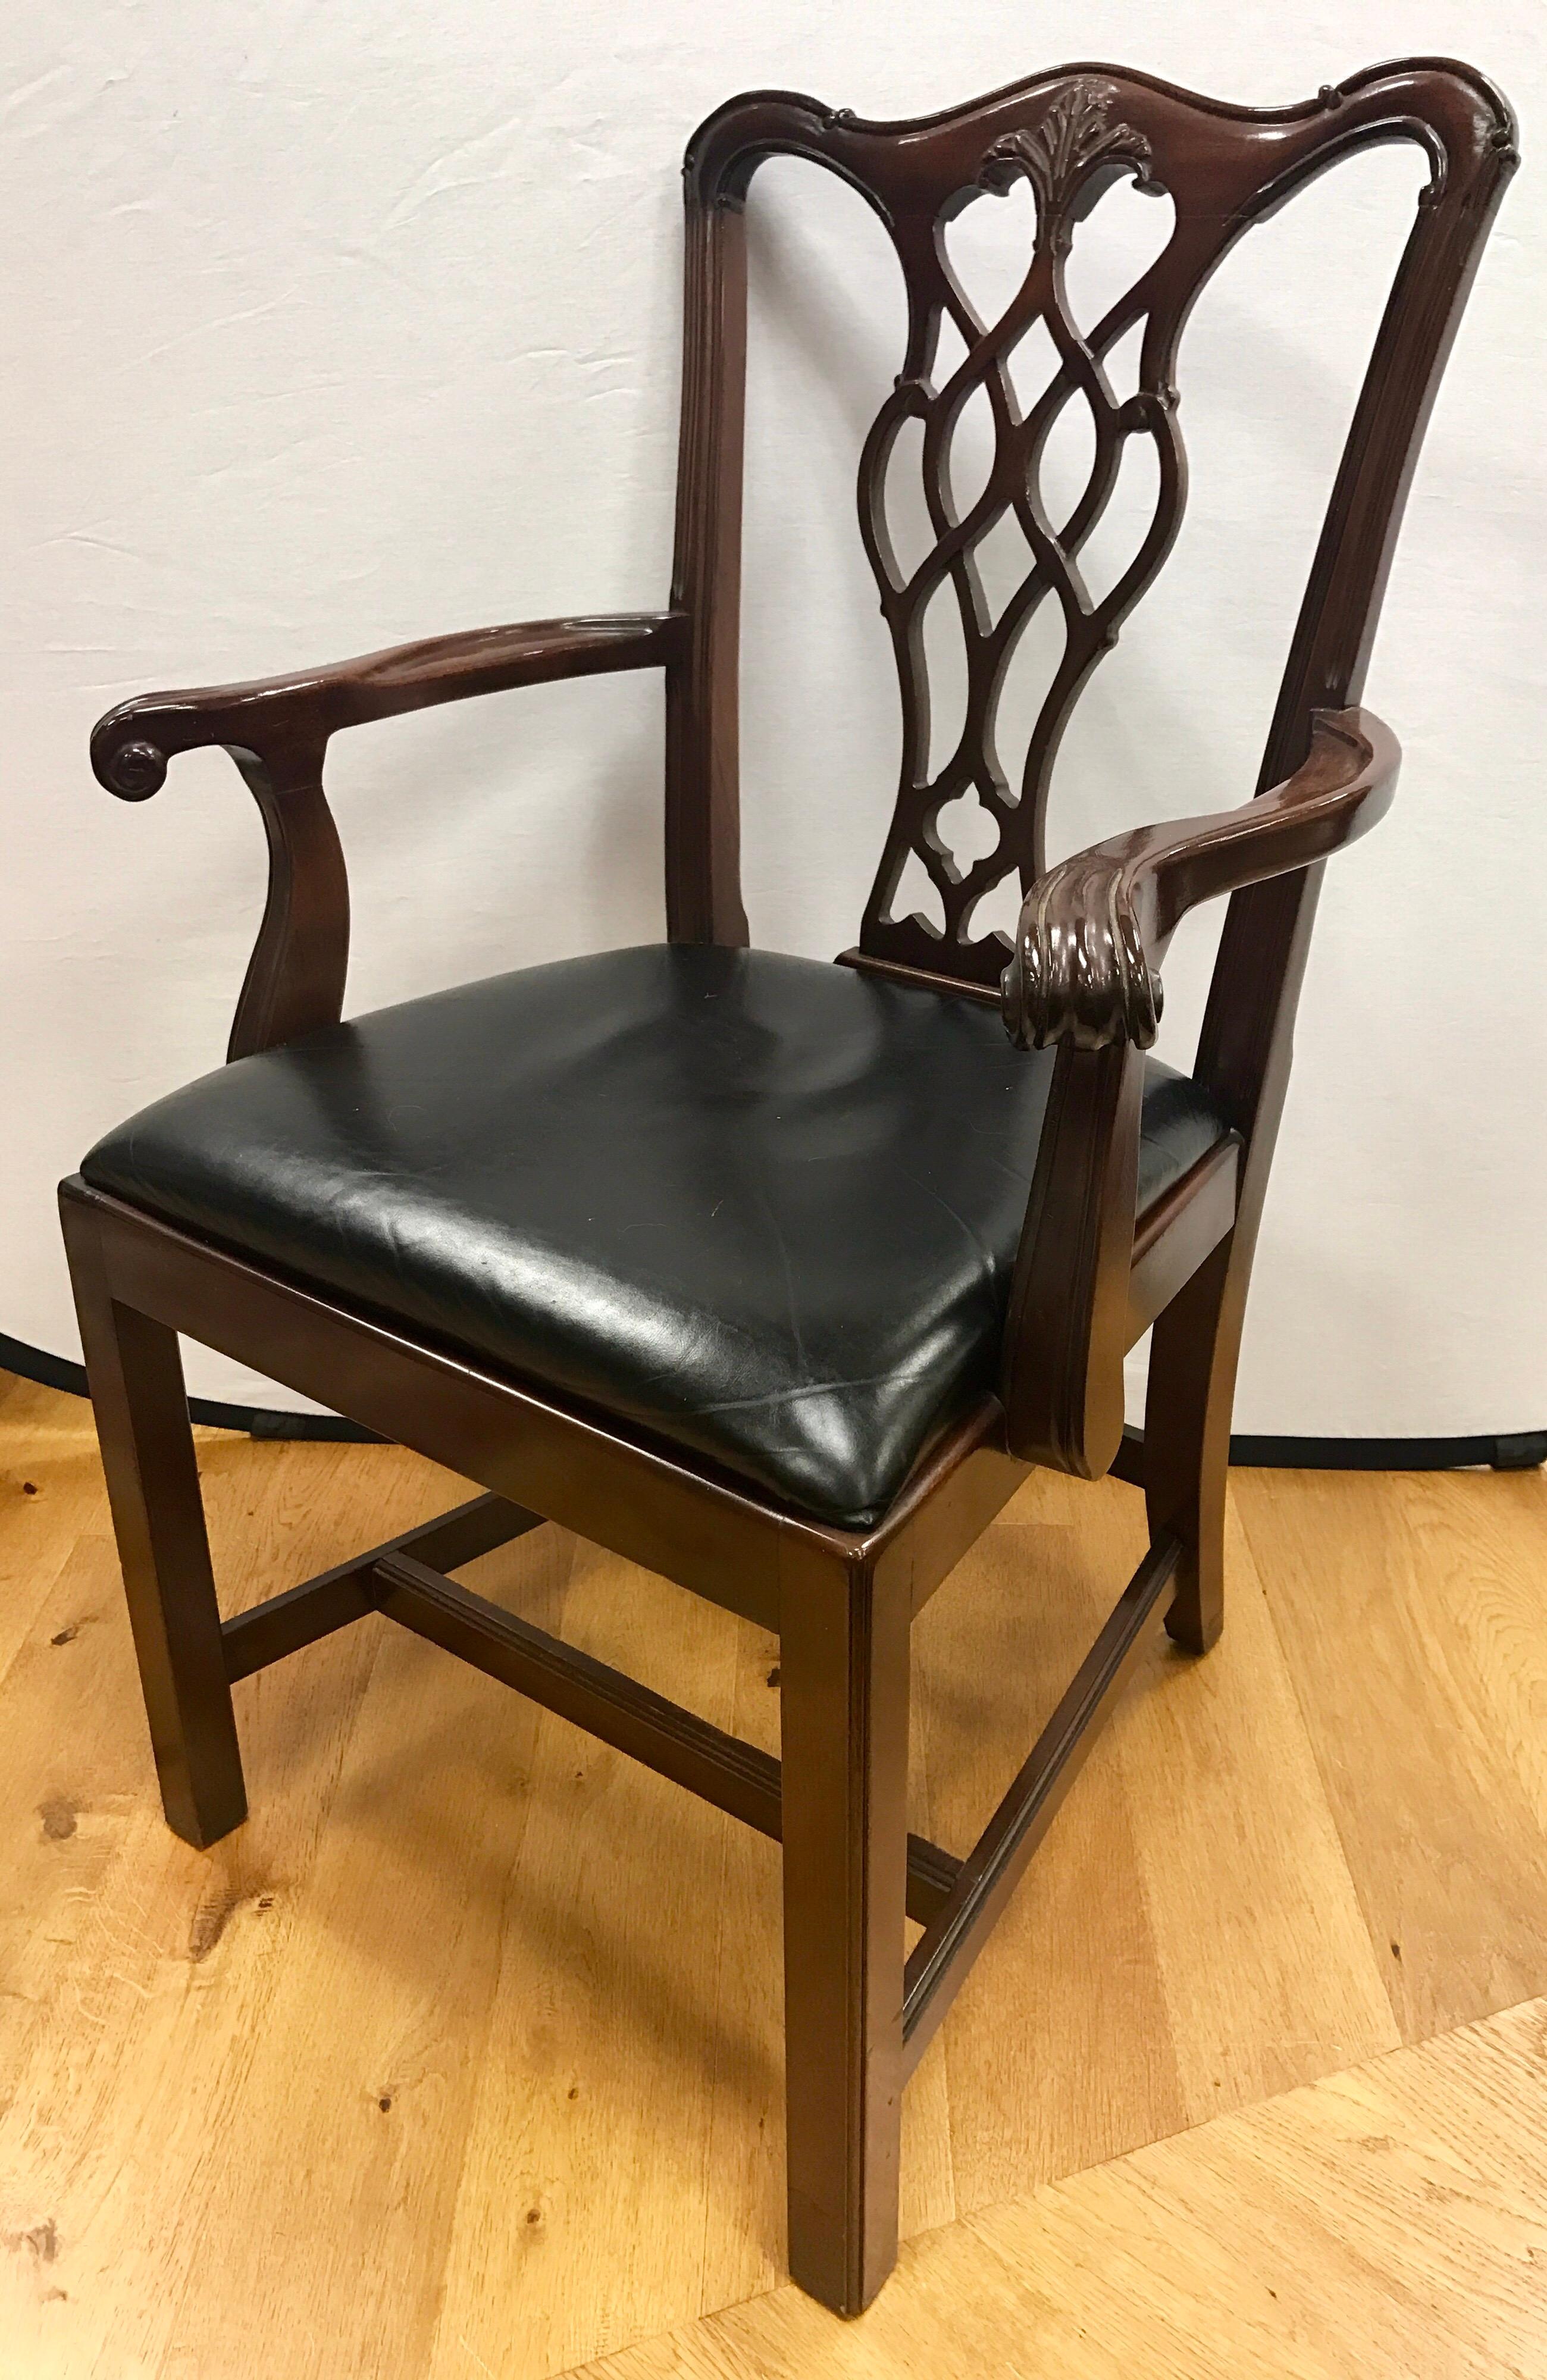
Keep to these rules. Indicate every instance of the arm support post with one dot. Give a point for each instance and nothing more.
(276, 731)
(1084, 978)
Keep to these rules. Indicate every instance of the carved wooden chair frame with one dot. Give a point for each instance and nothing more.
(1083, 974)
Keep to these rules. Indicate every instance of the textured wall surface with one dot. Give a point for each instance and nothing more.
(327, 325)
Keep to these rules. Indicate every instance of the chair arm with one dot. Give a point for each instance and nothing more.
(288, 720)
(1085, 975)
(1094, 929)
(276, 731)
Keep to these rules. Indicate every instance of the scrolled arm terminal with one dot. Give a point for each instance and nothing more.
(1081, 973)
(1093, 931)
(134, 771)
(276, 729)
(287, 721)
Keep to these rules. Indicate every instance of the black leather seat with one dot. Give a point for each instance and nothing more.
(761, 1207)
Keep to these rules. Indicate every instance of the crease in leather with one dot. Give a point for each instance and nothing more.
(763, 1208)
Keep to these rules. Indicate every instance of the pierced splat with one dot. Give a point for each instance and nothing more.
(1077, 390)
(1041, 387)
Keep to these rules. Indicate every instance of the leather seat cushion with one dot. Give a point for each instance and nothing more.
(762, 1208)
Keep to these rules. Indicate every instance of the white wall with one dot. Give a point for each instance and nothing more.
(328, 326)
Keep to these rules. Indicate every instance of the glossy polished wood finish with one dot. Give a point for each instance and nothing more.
(646, 1502)
(136, 1373)
(1071, 134)
(304, 1614)
(277, 730)
(405, 1581)
(1086, 965)
(1083, 978)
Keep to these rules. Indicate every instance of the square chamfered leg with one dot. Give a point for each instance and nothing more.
(1186, 1441)
(843, 1676)
(135, 1373)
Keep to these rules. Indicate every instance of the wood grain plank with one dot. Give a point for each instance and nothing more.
(1390, 2222)
(1413, 1648)
(1268, 1971)
(1480, 1553)
(1059, 2049)
(1489, 1552)
(69, 1793)
(445, 1901)
(376, 2033)
(585, 2207)
(51, 1495)
(126, 2104)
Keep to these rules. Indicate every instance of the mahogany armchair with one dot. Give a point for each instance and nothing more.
(773, 1275)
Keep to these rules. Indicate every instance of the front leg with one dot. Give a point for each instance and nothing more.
(136, 1377)
(843, 1673)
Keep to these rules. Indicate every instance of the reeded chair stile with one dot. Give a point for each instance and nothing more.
(776, 1275)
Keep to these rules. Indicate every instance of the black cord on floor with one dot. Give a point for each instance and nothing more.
(1517, 1451)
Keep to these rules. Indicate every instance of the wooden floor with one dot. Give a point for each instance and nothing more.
(462, 2057)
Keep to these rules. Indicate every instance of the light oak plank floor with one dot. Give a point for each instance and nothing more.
(1389, 2223)
(462, 2057)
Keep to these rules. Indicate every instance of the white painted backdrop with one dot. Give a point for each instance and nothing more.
(325, 326)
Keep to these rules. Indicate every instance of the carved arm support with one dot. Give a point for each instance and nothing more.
(1094, 929)
(276, 731)
(1085, 976)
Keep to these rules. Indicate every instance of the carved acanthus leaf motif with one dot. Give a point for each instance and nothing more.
(1079, 972)
(1057, 154)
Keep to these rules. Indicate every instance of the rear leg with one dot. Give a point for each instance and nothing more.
(135, 1372)
(1187, 1440)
